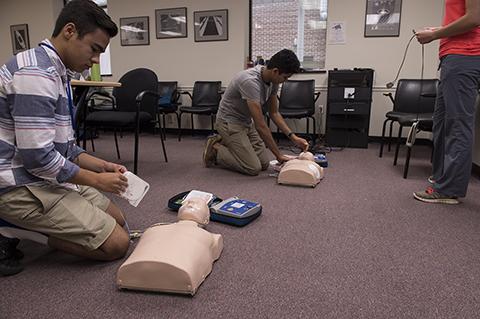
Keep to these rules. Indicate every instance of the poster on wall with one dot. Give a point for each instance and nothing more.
(171, 23)
(134, 31)
(211, 25)
(20, 40)
(382, 18)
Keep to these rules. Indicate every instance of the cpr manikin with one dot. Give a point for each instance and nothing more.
(301, 171)
(173, 257)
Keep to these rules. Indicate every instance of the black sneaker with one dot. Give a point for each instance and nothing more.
(10, 266)
(10, 245)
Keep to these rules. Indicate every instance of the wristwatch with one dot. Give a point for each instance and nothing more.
(289, 135)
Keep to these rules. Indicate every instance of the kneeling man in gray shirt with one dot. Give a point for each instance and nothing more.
(243, 132)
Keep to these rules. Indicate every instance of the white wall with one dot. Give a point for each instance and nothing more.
(186, 61)
(39, 15)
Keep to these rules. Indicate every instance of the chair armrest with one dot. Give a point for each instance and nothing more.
(317, 95)
(175, 97)
(390, 96)
(142, 94)
(187, 93)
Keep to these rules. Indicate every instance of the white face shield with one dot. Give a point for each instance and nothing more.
(195, 209)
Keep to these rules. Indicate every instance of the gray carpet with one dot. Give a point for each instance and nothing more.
(356, 246)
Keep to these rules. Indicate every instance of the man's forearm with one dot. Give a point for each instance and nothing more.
(280, 123)
(90, 163)
(85, 177)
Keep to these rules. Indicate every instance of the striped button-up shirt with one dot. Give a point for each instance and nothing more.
(37, 142)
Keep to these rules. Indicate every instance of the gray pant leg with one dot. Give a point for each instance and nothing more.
(438, 131)
(240, 149)
(460, 77)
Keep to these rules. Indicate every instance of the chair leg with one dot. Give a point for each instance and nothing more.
(407, 161)
(84, 138)
(91, 142)
(398, 145)
(116, 143)
(390, 136)
(180, 127)
(135, 155)
(314, 130)
(164, 127)
(382, 139)
(164, 151)
(211, 123)
(191, 119)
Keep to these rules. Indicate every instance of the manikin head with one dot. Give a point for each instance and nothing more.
(307, 156)
(82, 31)
(195, 209)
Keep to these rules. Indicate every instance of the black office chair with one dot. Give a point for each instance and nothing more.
(297, 100)
(408, 103)
(135, 106)
(167, 103)
(205, 100)
(417, 97)
(425, 125)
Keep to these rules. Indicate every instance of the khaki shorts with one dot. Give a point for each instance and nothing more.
(74, 216)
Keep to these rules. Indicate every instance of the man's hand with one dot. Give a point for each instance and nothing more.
(427, 35)
(300, 142)
(113, 167)
(112, 182)
(284, 158)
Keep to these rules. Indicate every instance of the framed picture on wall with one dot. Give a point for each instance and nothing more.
(20, 39)
(211, 25)
(134, 31)
(171, 23)
(382, 18)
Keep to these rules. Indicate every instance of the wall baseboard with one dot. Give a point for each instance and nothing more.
(476, 170)
(371, 139)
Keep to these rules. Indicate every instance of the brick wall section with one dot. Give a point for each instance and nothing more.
(274, 27)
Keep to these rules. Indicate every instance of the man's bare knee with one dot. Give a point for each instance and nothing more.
(116, 245)
(116, 213)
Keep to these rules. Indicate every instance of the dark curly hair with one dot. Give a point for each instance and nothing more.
(87, 17)
(285, 61)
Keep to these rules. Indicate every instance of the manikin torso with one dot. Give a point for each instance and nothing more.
(173, 257)
(302, 171)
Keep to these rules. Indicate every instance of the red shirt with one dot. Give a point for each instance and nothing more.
(467, 43)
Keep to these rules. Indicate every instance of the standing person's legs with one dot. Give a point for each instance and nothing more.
(438, 132)
(235, 151)
(76, 222)
(460, 81)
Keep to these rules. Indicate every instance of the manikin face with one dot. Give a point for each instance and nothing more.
(307, 156)
(82, 53)
(194, 209)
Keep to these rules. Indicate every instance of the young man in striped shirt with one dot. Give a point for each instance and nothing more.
(47, 183)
